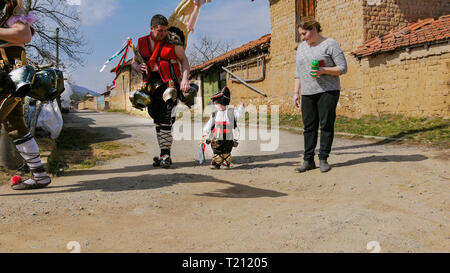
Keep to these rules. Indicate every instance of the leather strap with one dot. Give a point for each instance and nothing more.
(4, 57)
(24, 57)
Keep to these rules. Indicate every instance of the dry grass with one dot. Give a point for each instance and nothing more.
(80, 149)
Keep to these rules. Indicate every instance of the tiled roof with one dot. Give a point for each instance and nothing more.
(421, 32)
(263, 42)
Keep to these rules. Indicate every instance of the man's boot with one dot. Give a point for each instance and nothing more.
(307, 166)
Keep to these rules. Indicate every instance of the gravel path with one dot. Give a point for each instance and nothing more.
(396, 195)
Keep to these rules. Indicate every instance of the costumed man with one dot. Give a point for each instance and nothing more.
(220, 128)
(163, 52)
(15, 31)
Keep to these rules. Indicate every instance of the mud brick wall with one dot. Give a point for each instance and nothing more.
(343, 21)
(119, 95)
(415, 83)
(281, 67)
(128, 80)
(382, 16)
(412, 84)
(280, 64)
(87, 105)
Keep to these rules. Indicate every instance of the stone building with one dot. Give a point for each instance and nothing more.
(127, 81)
(410, 79)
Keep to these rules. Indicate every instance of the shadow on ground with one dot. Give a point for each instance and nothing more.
(151, 182)
(382, 158)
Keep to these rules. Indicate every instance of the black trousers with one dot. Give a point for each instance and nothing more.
(160, 111)
(319, 110)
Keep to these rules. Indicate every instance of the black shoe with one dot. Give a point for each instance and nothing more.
(324, 166)
(156, 161)
(214, 165)
(227, 166)
(307, 166)
(166, 161)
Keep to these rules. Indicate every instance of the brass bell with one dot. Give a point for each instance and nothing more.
(140, 100)
(23, 77)
(170, 93)
(48, 84)
(188, 97)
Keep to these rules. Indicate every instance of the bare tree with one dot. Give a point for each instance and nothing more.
(54, 14)
(206, 49)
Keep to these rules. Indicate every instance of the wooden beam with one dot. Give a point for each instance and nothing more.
(244, 82)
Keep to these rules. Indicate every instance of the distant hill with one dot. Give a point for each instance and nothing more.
(80, 90)
(77, 92)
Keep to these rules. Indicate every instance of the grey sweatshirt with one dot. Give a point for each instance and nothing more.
(328, 51)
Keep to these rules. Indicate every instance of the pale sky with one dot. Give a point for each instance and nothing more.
(106, 24)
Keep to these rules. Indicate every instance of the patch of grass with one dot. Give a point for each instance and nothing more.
(429, 131)
(107, 146)
(81, 149)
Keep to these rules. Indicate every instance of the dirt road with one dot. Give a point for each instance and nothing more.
(398, 196)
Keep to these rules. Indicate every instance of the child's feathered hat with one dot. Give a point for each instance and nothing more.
(222, 97)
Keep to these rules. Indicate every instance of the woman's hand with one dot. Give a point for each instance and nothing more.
(332, 71)
(320, 72)
(296, 99)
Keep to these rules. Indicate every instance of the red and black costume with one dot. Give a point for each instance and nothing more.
(220, 127)
(163, 113)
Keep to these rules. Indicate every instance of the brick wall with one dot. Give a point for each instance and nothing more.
(382, 16)
(279, 65)
(376, 85)
(342, 20)
(414, 83)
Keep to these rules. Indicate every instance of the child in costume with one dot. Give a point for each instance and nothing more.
(220, 129)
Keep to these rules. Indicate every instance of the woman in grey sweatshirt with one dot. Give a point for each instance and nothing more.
(320, 90)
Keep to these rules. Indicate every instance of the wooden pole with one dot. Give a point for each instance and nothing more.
(244, 82)
(57, 47)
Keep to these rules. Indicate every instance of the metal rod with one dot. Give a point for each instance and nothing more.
(244, 83)
(57, 47)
